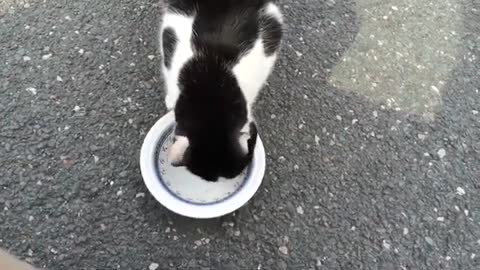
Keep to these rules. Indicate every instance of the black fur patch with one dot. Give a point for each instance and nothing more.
(169, 42)
(186, 7)
(228, 27)
(271, 30)
(211, 112)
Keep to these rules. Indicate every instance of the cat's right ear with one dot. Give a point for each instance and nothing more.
(176, 153)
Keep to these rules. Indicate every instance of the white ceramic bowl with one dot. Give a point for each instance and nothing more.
(186, 194)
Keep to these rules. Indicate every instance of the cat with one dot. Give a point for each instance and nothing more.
(217, 55)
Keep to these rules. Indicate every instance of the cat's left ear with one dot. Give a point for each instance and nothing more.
(248, 138)
(176, 153)
(243, 140)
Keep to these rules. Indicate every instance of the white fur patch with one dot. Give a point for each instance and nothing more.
(272, 10)
(253, 70)
(255, 66)
(182, 26)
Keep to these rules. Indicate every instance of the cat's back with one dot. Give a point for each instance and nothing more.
(229, 27)
(243, 34)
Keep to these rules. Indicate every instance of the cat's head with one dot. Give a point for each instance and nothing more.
(214, 136)
(211, 156)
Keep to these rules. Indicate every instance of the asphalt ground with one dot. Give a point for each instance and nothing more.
(362, 173)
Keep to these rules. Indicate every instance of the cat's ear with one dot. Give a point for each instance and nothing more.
(176, 153)
(243, 140)
(248, 138)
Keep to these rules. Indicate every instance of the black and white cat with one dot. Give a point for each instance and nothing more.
(217, 55)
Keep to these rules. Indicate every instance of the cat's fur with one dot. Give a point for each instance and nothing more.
(217, 55)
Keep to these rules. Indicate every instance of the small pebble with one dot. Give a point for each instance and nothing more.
(429, 241)
(32, 90)
(153, 266)
(140, 195)
(283, 250)
(386, 244)
(460, 191)
(441, 153)
(46, 56)
(300, 210)
(26, 58)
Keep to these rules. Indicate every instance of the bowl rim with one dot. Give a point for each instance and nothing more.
(184, 208)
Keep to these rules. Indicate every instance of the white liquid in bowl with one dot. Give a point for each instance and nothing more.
(190, 187)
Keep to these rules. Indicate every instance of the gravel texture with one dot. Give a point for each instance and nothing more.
(353, 180)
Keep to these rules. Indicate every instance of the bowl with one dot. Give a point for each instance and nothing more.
(187, 194)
